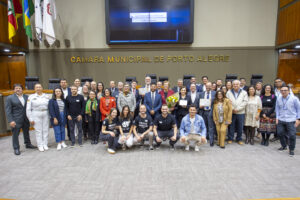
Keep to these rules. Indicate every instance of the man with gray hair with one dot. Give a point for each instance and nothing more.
(179, 86)
(239, 99)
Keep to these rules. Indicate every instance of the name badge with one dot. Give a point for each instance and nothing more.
(269, 100)
(160, 122)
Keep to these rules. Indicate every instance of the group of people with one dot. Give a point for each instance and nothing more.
(123, 115)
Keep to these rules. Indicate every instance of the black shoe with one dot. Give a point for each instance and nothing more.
(282, 149)
(73, 145)
(212, 144)
(30, 146)
(96, 142)
(85, 138)
(157, 146)
(292, 153)
(267, 143)
(222, 147)
(263, 142)
(92, 142)
(17, 152)
(172, 147)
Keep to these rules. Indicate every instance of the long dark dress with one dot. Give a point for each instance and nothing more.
(268, 126)
(180, 111)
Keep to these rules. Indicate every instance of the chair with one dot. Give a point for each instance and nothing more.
(30, 82)
(153, 77)
(231, 77)
(163, 78)
(129, 79)
(256, 78)
(53, 83)
(187, 80)
(84, 79)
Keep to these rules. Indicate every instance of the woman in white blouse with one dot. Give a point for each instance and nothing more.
(253, 109)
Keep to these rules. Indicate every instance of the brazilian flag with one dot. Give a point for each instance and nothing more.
(28, 10)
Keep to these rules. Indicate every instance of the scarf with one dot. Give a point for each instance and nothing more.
(88, 107)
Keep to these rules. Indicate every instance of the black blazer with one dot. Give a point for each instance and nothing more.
(196, 102)
(14, 109)
(54, 111)
(181, 111)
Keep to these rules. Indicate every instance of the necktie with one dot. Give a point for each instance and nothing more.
(152, 98)
(207, 107)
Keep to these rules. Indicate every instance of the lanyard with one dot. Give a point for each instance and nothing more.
(284, 104)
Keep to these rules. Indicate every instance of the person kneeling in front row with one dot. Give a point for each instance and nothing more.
(165, 128)
(125, 128)
(109, 131)
(192, 128)
(142, 128)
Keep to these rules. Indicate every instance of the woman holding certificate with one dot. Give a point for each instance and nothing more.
(181, 108)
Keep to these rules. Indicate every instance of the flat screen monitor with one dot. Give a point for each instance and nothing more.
(149, 21)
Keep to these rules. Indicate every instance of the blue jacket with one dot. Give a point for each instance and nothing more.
(148, 102)
(54, 112)
(199, 126)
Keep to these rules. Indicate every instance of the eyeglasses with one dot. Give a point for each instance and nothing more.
(283, 90)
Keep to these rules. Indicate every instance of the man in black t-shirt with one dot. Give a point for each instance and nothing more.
(75, 111)
(165, 128)
(142, 127)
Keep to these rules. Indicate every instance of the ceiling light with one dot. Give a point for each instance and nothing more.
(297, 47)
(6, 50)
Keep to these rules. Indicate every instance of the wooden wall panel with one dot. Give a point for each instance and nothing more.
(283, 3)
(12, 70)
(20, 40)
(288, 25)
(289, 67)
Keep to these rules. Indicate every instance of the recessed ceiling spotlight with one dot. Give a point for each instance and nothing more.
(6, 50)
(297, 47)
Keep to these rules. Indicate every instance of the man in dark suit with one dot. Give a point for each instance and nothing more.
(66, 92)
(198, 86)
(152, 101)
(194, 96)
(113, 90)
(243, 85)
(203, 85)
(207, 112)
(15, 108)
(64, 86)
(138, 97)
(179, 86)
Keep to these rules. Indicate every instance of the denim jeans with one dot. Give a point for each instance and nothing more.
(59, 130)
(237, 124)
(210, 125)
(287, 129)
(112, 141)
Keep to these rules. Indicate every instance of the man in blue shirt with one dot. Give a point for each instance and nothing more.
(192, 128)
(287, 118)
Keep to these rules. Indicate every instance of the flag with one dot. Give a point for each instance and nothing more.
(49, 13)
(38, 19)
(28, 10)
(18, 9)
(12, 23)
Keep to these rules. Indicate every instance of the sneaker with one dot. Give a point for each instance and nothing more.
(41, 149)
(282, 149)
(229, 141)
(46, 147)
(187, 147)
(157, 147)
(123, 147)
(111, 151)
(63, 144)
(292, 153)
(151, 148)
(81, 145)
(196, 148)
(58, 146)
(72, 145)
(240, 143)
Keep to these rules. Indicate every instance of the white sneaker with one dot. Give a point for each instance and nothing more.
(111, 151)
(187, 147)
(196, 148)
(63, 144)
(41, 149)
(46, 147)
(58, 146)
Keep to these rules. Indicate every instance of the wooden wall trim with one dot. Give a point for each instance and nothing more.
(285, 3)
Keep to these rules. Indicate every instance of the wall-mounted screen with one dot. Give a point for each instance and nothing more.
(149, 21)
